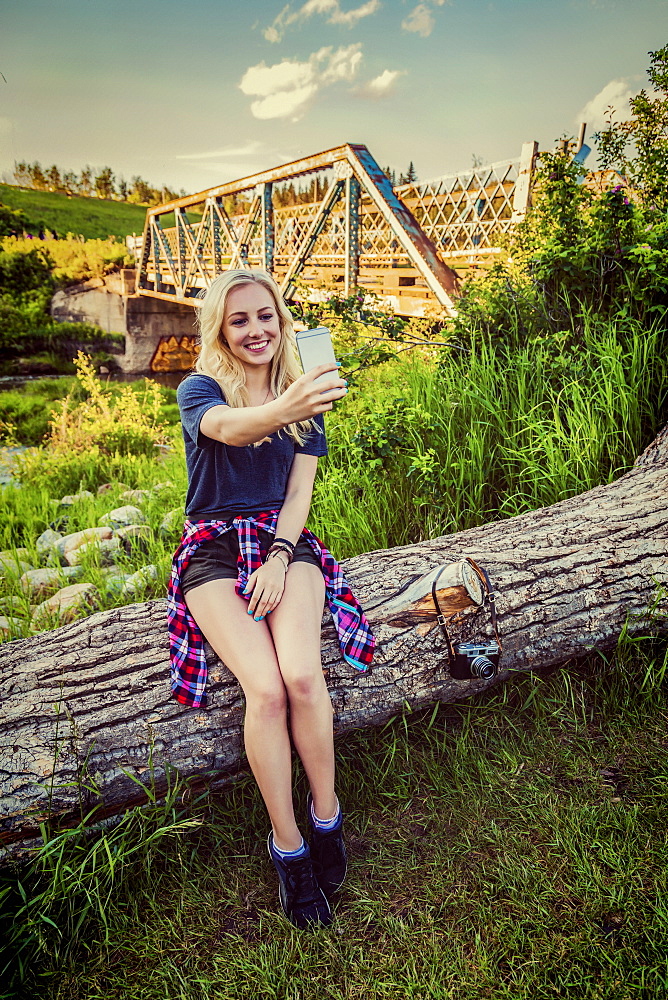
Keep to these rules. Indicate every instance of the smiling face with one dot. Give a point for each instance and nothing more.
(251, 325)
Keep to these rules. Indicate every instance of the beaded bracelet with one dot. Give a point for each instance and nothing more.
(284, 541)
(277, 552)
(279, 547)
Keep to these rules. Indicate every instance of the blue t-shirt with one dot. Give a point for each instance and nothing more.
(224, 480)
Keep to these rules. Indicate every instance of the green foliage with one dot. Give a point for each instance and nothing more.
(25, 270)
(638, 147)
(417, 450)
(364, 333)
(71, 260)
(12, 221)
(28, 274)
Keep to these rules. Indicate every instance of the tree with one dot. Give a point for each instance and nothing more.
(141, 193)
(37, 178)
(391, 175)
(411, 176)
(104, 183)
(70, 182)
(86, 184)
(22, 173)
(638, 147)
(53, 180)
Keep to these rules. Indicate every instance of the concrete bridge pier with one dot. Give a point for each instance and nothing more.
(159, 336)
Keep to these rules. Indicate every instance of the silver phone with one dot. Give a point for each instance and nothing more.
(315, 348)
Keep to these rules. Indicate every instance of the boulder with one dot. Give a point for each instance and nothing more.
(138, 582)
(109, 488)
(113, 581)
(9, 627)
(107, 549)
(46, 543)
(171, 525)
(69, 501)
(70, 543)
(135, 536)
(121, 517)
(40, 582)
(135, 496)
(66, 604)
(11, 602)
(161, 488)
(13, 564)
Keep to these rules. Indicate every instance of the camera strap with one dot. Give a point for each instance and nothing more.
(489, 599)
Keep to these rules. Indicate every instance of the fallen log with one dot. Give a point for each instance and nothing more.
(86, 712)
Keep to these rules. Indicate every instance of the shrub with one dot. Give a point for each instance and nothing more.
(23, 270)
(72, 260)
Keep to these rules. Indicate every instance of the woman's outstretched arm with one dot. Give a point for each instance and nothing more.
(304, 399)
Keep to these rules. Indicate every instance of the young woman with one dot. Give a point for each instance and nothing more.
(252, 579)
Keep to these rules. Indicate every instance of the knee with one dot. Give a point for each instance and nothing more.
(268, 702)
(305, 686)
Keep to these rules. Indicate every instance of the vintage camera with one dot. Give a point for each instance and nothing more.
(475, 659)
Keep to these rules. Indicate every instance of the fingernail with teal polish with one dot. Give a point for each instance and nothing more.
(345, 382)
(250, 612)
(259, 619)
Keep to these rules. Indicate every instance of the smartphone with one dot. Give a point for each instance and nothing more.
(315, 348)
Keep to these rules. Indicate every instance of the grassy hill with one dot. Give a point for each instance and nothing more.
(92, 218)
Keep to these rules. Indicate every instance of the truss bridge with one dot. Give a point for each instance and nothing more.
(334, 221)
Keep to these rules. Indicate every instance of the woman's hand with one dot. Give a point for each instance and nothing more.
(267, 585)
(305, 397)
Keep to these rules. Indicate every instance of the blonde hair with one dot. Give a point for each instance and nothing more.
(216, 360)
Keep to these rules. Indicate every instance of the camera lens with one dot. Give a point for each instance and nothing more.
(482, 667)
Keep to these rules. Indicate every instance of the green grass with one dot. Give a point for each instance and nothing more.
(92, 218)
(508, 848)
(418, 450)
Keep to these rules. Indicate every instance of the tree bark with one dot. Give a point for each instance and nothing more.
(86, 709)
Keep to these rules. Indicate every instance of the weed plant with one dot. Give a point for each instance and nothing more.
(506, 848)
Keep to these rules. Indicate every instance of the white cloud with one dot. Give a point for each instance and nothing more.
(383, 84)
(616, 95)
(288, 16)
(287, 88)
(285, 104)
(420, 20)
(263, 81)
(229, 153)
(351, 17)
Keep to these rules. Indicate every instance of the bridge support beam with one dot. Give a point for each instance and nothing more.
(353, 194)
(266, 195)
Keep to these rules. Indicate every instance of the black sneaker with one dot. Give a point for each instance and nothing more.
(328, 852)
(303, 902)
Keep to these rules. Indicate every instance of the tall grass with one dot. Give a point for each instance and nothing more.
(506, 428)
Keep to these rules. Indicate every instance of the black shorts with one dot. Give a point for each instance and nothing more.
(217, 559)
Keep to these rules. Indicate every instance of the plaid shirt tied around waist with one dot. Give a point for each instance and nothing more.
(186, 642)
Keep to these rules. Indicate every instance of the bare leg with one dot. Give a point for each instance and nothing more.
(246, 647)
(295, 629)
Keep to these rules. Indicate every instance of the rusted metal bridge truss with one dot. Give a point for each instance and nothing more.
(334, 220)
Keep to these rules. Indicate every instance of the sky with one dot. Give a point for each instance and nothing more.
(199, 92)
